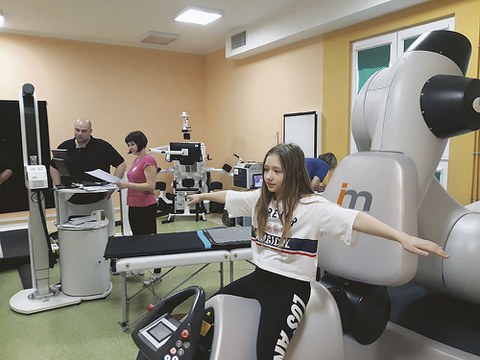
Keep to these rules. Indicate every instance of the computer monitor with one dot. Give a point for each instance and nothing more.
(194, 152)
(60, 158)
(60, 153)
(257, 181)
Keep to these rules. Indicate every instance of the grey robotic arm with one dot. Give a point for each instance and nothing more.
(415, 105)
(412, 108)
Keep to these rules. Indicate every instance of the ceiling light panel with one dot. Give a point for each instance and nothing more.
(198, 15)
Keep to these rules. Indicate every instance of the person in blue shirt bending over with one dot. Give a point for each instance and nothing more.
(318, 168)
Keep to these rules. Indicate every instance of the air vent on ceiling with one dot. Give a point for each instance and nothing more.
(238, 40)
(159, 38)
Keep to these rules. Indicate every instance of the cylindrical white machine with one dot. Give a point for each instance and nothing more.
(84, 272)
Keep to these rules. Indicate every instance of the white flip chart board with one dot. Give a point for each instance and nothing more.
(301, 129)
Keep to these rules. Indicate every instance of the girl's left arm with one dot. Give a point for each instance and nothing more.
(369, 225)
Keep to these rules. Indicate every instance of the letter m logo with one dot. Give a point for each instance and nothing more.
(354, 197)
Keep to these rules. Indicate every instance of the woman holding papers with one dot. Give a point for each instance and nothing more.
(141, 201)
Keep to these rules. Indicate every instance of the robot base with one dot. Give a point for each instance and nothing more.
(24, 302)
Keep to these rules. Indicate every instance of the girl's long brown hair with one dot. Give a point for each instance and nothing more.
(296, 184)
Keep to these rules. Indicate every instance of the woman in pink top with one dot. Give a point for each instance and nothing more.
(141, 201)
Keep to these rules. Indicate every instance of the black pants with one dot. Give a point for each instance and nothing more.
(282, 301)
(143, 220)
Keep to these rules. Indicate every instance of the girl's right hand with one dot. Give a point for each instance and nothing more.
(193, 199)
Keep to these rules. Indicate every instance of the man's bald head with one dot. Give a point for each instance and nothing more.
(82, 131)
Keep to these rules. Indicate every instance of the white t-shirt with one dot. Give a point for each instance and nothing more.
(313, 217)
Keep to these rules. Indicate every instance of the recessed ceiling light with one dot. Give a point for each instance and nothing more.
(198, 15)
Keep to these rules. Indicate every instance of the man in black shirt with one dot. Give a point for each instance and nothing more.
(87, 153)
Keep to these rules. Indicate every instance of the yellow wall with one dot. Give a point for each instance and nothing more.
(246, 99)
(337, 68)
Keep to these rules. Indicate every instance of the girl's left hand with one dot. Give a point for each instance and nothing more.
(423, 247)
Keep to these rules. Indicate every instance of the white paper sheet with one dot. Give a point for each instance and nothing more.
(102, 175)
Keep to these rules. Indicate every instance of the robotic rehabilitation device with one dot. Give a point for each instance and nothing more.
(401, 120)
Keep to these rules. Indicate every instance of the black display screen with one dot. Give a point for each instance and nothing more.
(257, 180)
(159, 331)
(194, 152)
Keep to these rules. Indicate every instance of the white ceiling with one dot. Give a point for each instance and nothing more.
(126, 22)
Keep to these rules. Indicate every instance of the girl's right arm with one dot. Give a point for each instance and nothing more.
(217, 196)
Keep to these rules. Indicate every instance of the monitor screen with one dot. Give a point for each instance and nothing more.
(60, 157)
(194, 152)
(160, 330)
(257, 180)
(60, 153)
